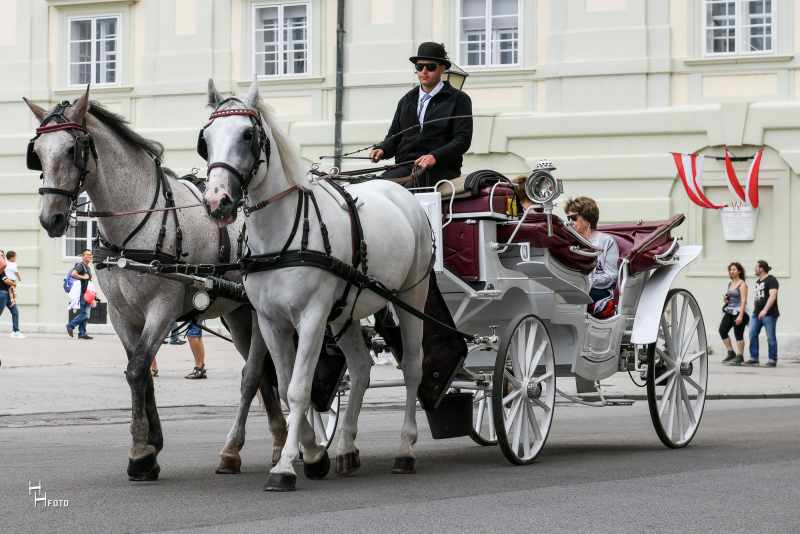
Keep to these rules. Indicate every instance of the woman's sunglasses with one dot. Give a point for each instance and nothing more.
(573, 217)
(430, 66)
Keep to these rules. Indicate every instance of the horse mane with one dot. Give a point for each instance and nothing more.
(119, 125)
(293, 166)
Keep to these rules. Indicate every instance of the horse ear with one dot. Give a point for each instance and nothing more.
(252, 97)
(213, 96)
(80, 107)
(38, 111)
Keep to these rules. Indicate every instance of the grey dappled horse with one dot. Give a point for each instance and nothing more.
(300, 299)
(142, 307)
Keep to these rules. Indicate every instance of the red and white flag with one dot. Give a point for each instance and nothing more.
(749, 193)
(690, 171)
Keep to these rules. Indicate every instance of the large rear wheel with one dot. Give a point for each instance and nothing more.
(677, 370)
(524, 389)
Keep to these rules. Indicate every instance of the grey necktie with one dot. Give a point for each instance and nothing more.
(425, 97)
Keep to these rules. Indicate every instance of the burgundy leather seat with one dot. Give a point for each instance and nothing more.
(640, 242)
(480, 204)
(534, 231)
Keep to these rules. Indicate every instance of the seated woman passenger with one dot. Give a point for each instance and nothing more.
(584, 214)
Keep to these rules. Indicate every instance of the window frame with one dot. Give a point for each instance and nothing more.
(489, 51)
(309, 42)
(93, 63)
(738, 25)
(89, 239)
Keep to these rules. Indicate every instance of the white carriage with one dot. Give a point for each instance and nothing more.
(519, 281)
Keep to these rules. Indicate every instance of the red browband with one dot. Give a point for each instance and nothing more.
(230, 112)
(59, 126)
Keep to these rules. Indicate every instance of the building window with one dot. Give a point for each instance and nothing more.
(497, 19)
(281, 39)
(82, 235)
(94, 50)
(739, 27)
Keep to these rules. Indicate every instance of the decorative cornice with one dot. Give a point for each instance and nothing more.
(735, 60)
(66, 3)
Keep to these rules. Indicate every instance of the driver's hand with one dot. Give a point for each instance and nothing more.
(426, 161)
(376, 154)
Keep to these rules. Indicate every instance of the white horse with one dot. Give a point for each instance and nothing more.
(300, 299)
(122, 176)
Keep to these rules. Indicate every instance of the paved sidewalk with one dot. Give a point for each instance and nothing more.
(51, 374)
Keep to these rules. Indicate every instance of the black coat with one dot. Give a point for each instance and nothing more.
(446, 140)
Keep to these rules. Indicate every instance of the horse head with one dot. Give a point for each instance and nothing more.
(61, 150)
(235, 145)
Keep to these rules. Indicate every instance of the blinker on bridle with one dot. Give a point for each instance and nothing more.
(83, 149)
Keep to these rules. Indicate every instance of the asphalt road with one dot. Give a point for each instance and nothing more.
(603, 470)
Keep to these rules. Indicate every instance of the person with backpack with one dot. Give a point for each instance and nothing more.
(81, 272)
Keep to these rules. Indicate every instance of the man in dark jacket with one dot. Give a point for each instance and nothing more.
(435, 121)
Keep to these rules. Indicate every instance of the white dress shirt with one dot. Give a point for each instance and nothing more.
(422, 106)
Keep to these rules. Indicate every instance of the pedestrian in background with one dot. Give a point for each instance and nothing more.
(12, 273)
(734, 315)
(6, 285)
(82, 271)
(765, 313)
(195, 337)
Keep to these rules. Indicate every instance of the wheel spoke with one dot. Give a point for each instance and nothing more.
(667, 334)
(539, 379)
(679, 420)
(516, 382)
(511, 396)
(537, 432)
(518, 357)
(491, 431)
(479, 417)
(529, 349)
(665, 397)
(671, 416)
(678, 334)
(537, 358)
(688, 404)
(664, 376)
(691, 336)
(512, 414)
(541, 405)
(694, 384)
(517, 425)
(693, 357)
(526, 445)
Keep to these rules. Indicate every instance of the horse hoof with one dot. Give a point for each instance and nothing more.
(404, 465)
(318, 470)
(143, 469)
(281, 482)
(229, 465)
(347, 463)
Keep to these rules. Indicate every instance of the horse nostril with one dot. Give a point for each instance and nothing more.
(225, 202)
(57, 220)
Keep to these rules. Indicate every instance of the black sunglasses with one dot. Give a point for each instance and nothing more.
(430, 66)
(573, 217)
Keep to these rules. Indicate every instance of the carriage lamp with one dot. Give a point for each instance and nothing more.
(201, 300)
(543, 188)
(456, 76)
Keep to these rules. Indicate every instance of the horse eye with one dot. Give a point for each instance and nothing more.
(71, 150)
(247, 135)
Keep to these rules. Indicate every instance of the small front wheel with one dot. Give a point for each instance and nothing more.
(524, 389)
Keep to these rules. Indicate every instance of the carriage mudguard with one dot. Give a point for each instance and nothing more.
(654, 295)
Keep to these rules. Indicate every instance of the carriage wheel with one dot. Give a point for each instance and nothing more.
(677, 370)
(524, 389)
(483, 431)
(325, 423)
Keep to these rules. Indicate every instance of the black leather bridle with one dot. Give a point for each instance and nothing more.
(83, 150)
(259, 143)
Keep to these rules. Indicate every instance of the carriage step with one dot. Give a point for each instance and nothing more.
(488, 294)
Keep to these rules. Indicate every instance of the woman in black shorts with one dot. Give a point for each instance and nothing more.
(734, 315)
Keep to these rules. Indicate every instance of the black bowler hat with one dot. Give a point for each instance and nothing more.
(432, 51)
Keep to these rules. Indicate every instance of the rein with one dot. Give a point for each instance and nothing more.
(106, 214)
